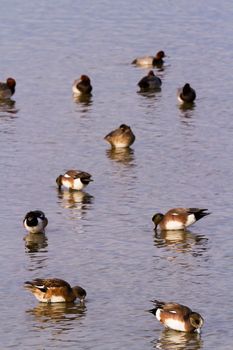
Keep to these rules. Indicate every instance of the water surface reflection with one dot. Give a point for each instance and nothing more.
(122, 155)
(75, 199)
(173, 340)
(181, 241)
(84, 102)
(35, 242)
(37, 261)
(59, 316)
(7, 106)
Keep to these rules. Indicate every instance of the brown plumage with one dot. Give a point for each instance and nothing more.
(178, 218)
(74, 179)
(7, 89)
(177, 316)
(121, 137)
(54, 290)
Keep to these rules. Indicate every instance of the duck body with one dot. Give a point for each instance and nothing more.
(150, 82)
(54, 290)
(186, 94)
(178, 317)
(121, 137)
(82, 86)
(7, 89)
(178, 218)
(156, 60)
(35, 221)
(74, 180)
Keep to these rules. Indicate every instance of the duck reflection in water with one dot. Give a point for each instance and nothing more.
(121, 155)
(35, 242)
(173, 340)
(58, 313)
(84, 101)
(181, 241)
(75, 199)
(8, 106)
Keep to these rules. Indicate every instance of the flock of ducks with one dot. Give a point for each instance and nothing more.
(54, 290)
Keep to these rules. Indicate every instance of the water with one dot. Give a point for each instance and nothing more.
(104, 239)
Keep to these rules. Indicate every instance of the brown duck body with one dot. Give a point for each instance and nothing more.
(121, 137)
(177, 316)
(7, 89)
(74, 179)
(178, 218)
(54, 290)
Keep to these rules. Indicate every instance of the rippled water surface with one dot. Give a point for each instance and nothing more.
(104, 239)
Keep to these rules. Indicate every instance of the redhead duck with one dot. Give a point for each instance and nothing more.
(156, 60)
(7, 89)
(82, 86)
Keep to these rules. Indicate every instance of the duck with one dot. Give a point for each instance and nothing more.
(54, 290)
(74, 180)
(156, 60)
(178, 218)
(7, 89)
(177, 317)
(82, 86)
(121, 137)
(35, 221)
(186, 94)
(150, 82)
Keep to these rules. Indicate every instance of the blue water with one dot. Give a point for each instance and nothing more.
(104, 239)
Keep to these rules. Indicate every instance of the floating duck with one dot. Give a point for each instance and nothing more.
(177, 317)
(178, 218)
(121, 137)
(54, 290)
(7, 89)
(35, 221)
(82, 86)
(74, 180)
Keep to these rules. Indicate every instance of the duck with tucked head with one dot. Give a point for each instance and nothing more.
(186, 94)
(178, 317)
(178, 218)
(82, 86)
(121, 137)
(74, 180)
(156, 60)
(54, 290)
(7, 89)
(35, 221)
(150, 82)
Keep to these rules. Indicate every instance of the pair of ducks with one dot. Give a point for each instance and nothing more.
(49, 290)
(172, 315)
(151, 82)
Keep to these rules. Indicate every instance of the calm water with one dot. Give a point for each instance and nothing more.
(104, 239)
